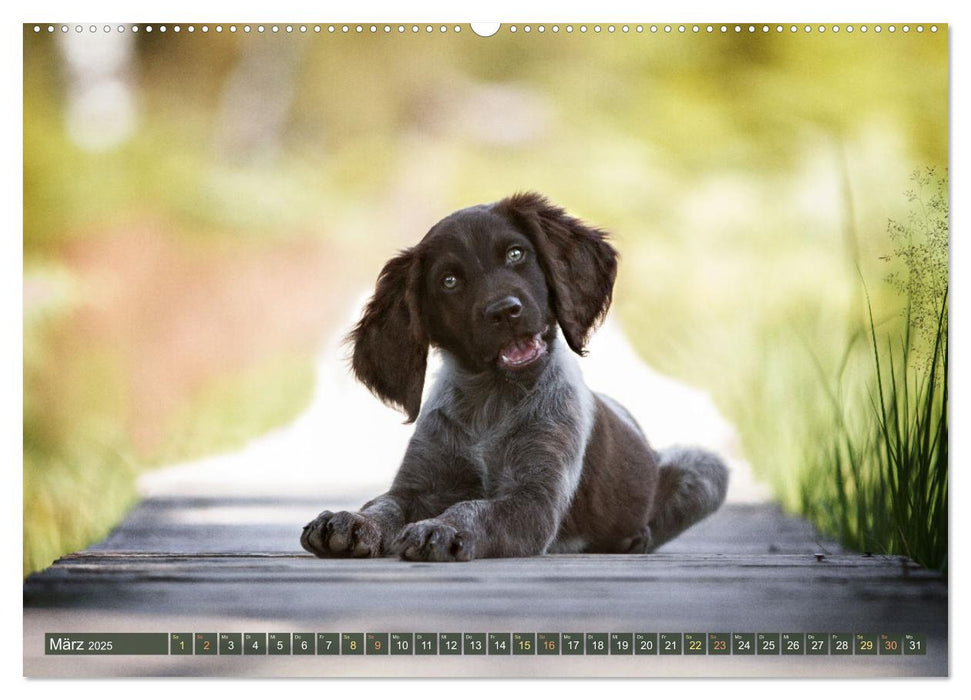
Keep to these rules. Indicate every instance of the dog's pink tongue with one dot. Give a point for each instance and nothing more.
(521, 351)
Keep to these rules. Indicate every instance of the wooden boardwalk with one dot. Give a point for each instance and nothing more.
(183, 564)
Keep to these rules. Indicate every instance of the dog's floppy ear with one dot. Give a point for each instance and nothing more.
(579, 264)
(390, 343)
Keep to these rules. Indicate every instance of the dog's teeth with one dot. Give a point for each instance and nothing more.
(521, 352)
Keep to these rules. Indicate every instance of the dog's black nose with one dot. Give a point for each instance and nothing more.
(502, 309)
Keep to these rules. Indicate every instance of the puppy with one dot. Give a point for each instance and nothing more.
(512, 454)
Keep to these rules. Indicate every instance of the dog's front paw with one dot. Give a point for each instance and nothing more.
(342, 534)
(433, 540)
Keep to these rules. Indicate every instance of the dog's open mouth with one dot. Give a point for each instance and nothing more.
(522, 352)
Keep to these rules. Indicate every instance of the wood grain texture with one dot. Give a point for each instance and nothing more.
(184, 565)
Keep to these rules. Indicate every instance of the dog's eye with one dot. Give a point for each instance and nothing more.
(515, 255)
(450, 282)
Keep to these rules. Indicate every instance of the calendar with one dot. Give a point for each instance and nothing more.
(485, 644)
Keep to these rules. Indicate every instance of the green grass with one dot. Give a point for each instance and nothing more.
(79, 485)
(843, 417)
(73, 499)
(879, 481)
(80, 466)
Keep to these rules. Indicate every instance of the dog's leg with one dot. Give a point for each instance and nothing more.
(512, 527)
(427, 483)
(692, 485)
(520, 520)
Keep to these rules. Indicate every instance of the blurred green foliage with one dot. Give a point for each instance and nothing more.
(747, 177)
(232, 409)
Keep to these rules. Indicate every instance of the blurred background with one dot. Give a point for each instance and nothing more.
(202, 209)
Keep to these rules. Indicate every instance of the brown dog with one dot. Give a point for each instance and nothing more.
(512, 454)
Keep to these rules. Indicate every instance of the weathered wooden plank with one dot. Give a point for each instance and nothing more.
(749, 568)
(240, 525)
(711, 567)
(849, 592)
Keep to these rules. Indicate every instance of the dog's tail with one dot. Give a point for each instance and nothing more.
(691, 486)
